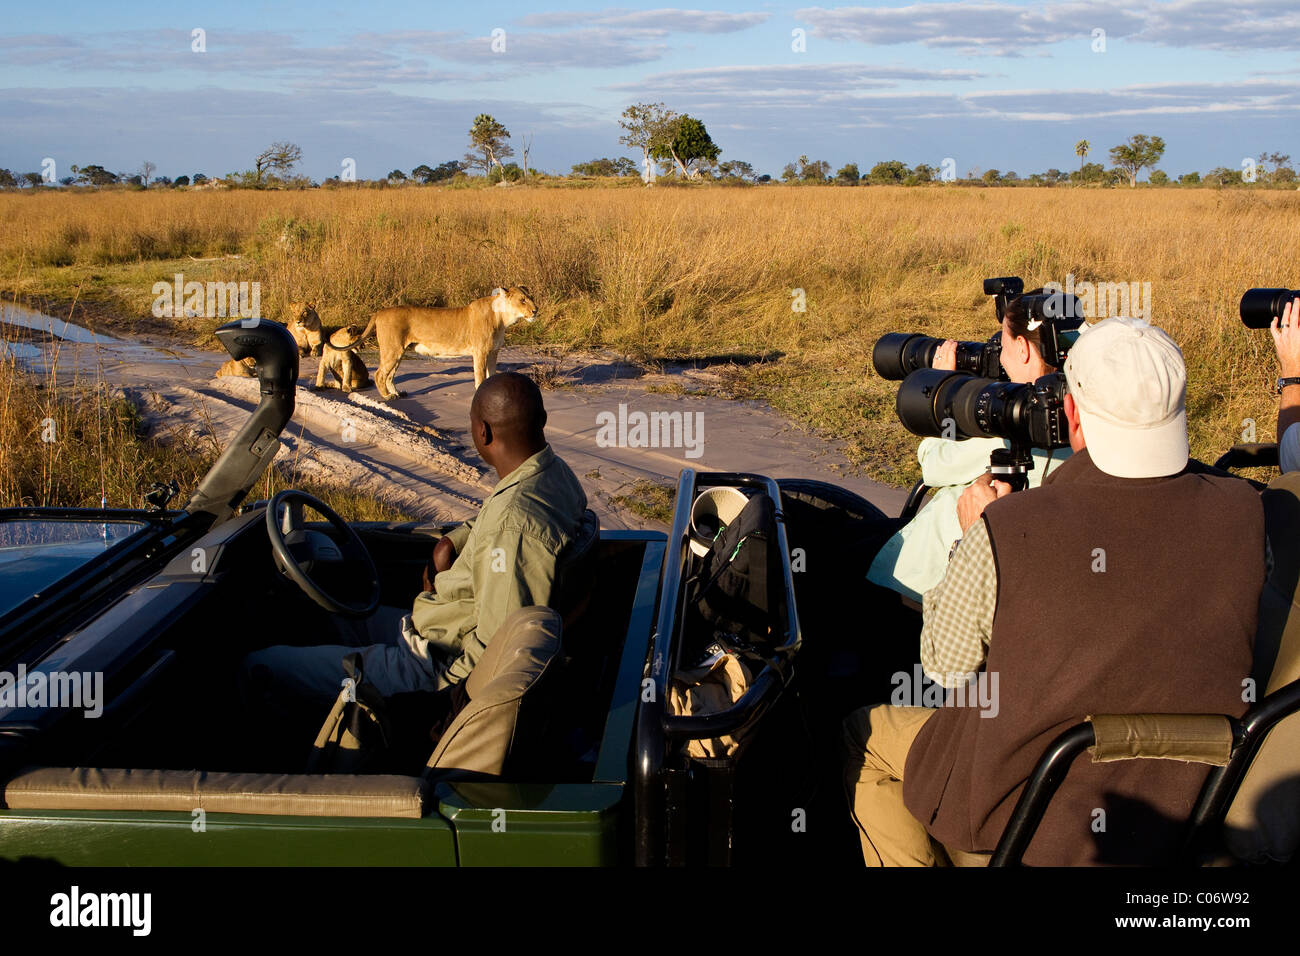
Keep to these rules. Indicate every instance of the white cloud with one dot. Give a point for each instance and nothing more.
(1007, 29)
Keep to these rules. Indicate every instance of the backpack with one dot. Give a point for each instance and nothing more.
(737, 592)
(366, 732)
(357, 733)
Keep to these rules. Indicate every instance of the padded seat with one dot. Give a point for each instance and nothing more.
(504, 715)
(1263, 820)
(316, 795)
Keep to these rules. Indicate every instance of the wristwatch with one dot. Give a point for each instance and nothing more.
(1284, 382)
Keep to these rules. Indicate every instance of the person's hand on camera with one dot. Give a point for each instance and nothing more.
(1286, 339)
(974, 499)
(945, 356)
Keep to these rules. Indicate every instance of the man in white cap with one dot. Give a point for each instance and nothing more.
(1126, 583)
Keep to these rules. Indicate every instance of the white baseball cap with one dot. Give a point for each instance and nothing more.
(1129, 383)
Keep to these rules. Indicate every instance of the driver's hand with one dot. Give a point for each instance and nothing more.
(974, 499)
(1286, 339)
(945, 356)
(443, 557)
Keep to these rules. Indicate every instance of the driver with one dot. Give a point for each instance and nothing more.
(484, 570)
(914, 559)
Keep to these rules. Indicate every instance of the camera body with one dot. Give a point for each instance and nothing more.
(898, 354)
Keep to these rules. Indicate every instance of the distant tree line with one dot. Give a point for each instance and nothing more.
(678, 145)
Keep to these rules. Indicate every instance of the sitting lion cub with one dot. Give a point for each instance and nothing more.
(340, 359)
(240, 368)
(477, 330)
(304, 326)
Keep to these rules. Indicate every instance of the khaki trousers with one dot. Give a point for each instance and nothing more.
(876, 741)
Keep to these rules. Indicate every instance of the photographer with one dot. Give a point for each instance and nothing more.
(1286, 339)
(1127, 583)
(913, 560)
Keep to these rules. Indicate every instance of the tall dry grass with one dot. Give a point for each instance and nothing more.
(692, 272)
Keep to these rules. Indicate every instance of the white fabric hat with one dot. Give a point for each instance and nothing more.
(1129, 382)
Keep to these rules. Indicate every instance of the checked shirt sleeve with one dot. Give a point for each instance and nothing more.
(958, 611)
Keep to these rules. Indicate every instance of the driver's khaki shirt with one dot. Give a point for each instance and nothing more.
(505, 560)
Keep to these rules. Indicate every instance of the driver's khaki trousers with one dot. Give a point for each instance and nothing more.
(316, 674)
(876, 741)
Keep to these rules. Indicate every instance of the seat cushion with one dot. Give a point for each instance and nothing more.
(317, 795)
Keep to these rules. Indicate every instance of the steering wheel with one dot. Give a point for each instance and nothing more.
(299, 550)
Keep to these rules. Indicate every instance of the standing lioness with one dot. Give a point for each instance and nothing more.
(477, 330)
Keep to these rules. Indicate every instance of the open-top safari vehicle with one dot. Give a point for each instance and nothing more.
(123, 740)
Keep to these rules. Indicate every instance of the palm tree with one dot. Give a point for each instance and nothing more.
(1081, 150)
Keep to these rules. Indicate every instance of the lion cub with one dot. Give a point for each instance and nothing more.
(340, 360)
(477, 330)
(240, 368)
(304, 326)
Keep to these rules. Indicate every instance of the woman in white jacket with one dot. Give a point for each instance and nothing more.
(914, 559)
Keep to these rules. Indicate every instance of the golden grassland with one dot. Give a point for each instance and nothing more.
(673, 273)
(78, 445)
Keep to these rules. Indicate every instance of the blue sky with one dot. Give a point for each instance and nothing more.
(992, 84)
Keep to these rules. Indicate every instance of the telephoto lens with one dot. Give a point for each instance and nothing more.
(897, 355)
(1260, 306)
(943, 404)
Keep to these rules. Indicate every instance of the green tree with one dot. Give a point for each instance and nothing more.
(1081, 149)
(622, 166)
(1222, 176)
(923, 173)
(888, 173)
(425, 174)
(1089, 173)
(1158, 177)
(646, 127)
(736, 169)
(397, 176)
(1138, 153)
(1190, 179)
(687, 143)
(849, 174)
(277, 158)
(510, 172)
(814, 170)
(95, 175)
(487, 142)
(33, 179)
(182, 181)
(790, 174)
(1282, 171)
(8, 180)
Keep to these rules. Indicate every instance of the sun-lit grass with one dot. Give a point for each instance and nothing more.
(666, 273)
(75, 444)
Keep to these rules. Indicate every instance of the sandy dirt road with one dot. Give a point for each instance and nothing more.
(416, 451)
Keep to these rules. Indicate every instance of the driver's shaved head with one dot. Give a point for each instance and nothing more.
(512, 405)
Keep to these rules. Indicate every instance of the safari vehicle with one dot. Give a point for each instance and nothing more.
(160, 765)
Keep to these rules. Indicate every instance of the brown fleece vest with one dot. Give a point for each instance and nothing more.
(1167, 627)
